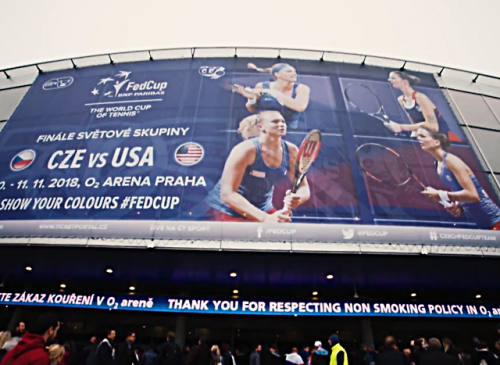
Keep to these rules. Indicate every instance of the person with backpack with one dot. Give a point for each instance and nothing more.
(170, 352)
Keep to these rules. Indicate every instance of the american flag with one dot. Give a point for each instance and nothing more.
(189, 154)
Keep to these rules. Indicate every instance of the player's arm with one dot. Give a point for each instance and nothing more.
(253, 98)
(428, 110)
(299, 103)
(397, 127)
(292, 201)
(469, 194)
(239, 159)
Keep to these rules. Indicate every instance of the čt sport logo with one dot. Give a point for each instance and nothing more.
(58, 83)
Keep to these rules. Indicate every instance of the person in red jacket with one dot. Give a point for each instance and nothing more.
(31, 349)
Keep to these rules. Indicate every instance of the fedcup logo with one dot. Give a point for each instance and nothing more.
(58, 83)
(213, 72)
(122, 85)
(22, 160)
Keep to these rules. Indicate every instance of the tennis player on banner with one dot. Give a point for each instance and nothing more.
(467, 196)
(419, 108)
(254, 166)
(284, 94)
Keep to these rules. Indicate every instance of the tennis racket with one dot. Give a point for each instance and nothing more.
(308, 153)
(385, 165)
(233, 87)
(363, 99)
(229, 86)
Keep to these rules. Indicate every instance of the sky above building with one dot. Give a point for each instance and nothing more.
(459, 33)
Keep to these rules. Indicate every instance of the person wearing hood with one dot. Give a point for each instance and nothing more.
(319, 356)
(339, 354)
(31, 349)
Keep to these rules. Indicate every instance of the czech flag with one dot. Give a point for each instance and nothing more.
(22, 160)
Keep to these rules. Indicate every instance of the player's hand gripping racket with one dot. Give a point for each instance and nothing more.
(385, 165)
(364, 99)
(247, 92)
(308, 153)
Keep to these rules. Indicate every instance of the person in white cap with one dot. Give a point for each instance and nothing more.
(319, 355)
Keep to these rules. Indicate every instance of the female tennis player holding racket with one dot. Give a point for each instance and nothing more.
(419, 108)
(254, 166)
(284, 94)
(467, 196)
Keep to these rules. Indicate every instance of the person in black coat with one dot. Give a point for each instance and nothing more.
(227, 356)
(449, 348)
(272, 357)
(125, 354)
(436, 356)
(106, 349)
(481, 353)
(170, 352)
(391, 355)
(199, 355)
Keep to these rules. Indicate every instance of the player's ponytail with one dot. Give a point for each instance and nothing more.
(269, 70)
(412, 80)
(248, 127)
(253, 66)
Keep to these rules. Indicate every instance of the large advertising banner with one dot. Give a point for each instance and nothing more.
(250, 306)
(209, 149)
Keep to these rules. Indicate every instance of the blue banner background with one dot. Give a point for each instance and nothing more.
(209, 115)
(251, 306)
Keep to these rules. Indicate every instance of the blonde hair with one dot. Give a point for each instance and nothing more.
(56, 353)
(215, 348)
(4, 337)
(248, 127)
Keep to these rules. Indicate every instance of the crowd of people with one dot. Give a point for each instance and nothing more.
(37, 345)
